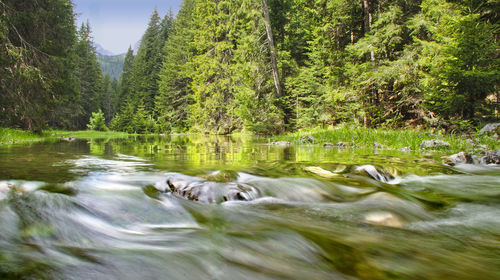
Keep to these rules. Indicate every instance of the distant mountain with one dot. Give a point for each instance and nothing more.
(102, 51)
(111, 64)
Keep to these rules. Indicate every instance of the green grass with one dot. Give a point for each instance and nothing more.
(10, 136)
(391, 139)
(86, 134)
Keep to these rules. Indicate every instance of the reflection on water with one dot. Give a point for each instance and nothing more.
(102, 209)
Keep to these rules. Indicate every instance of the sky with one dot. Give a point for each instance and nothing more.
(118, 24)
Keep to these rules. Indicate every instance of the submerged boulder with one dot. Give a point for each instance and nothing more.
(320, 172)
(280, 143)
(434, 144)
(485, 158)
(460, 158)
(490, 157)
(374, 173)
(210, 192)
(383, 218)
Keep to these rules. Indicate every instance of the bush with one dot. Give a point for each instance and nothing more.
(97, 122)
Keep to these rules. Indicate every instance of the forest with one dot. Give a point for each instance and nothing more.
(257, 66)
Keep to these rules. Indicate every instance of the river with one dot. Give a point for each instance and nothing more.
(103, 209)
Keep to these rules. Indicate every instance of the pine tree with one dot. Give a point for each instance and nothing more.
(36, 62)
(459, 59)
(126, 79)
(89, 75)
(146, 65)
(213, 95)
(175, 95)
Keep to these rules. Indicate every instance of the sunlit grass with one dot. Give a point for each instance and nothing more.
(394, 139)
(13, 136)
(86, 134)
(10, 136)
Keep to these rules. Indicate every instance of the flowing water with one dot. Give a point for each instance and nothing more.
(102, 209)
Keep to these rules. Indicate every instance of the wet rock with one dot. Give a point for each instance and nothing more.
(320, 172)
(280, 143)
(490, 129)
(459, 158)
(342, 145)
(307, 139)
(210, 192)
(383, 218)
(328, 144)
(485, 158)
(374, 173)
(339, 145)
(490, 157)
(434, 144)
(405, 150)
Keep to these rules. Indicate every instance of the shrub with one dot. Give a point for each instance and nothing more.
(97, 122)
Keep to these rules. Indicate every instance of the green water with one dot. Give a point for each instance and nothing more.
(101, 209)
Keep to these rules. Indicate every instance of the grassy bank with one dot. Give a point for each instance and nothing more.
(10, 136)
(391, 139)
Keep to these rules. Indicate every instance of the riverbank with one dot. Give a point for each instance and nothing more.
(10, 136)
(384, 139)
(349, 137)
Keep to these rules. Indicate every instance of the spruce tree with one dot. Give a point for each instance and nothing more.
(175, 94)
(36, 62)
(89, 76)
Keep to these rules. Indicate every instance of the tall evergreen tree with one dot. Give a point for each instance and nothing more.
(89, 75)
(36, 62)
(146, 65)
(126, 79)
(175, 83)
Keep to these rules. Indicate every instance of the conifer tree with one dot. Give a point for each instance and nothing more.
(175, 94)
(36, 62)
(89, 76)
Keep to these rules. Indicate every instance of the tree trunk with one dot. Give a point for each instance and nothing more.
(368, 20)
(272, 49)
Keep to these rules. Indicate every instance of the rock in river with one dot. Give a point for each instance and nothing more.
(490, 157)
(383, 218)
(320, 172)
(210, 192)
(280, 143)
(307, 139)
(339, 145)
(459, 158)
(486, 158)
(374, 173)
